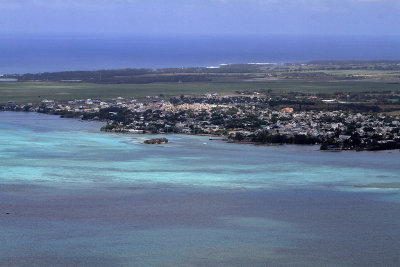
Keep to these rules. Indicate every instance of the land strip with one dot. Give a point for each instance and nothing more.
(312, 78)
(341, 106)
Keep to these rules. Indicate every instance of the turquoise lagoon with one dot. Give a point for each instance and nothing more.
(72, 195)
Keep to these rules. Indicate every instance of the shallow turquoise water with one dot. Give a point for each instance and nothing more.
(71, 195)
(44, 149)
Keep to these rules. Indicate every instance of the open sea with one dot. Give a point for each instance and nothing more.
(41, 53)
(71, 195)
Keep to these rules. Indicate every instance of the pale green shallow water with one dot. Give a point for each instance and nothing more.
(71, 195)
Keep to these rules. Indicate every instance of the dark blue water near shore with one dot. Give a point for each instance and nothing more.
(21, 54)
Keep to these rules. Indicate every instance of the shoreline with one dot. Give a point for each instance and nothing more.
(223, 138)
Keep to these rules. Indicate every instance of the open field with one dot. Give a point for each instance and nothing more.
(23, 92)
(362, 72)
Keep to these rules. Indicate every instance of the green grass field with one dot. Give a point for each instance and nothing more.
(356, 72)
(23, 92)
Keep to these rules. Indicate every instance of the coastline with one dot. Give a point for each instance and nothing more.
(66, 186)
(222, 137)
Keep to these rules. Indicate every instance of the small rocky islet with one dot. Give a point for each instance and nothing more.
(156, 141)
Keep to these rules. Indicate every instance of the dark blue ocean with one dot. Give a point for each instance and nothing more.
(33, 53)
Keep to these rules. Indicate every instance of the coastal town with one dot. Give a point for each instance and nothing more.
(256, 118)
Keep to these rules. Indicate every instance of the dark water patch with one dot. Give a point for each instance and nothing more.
(49, 259)
(323, 226)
